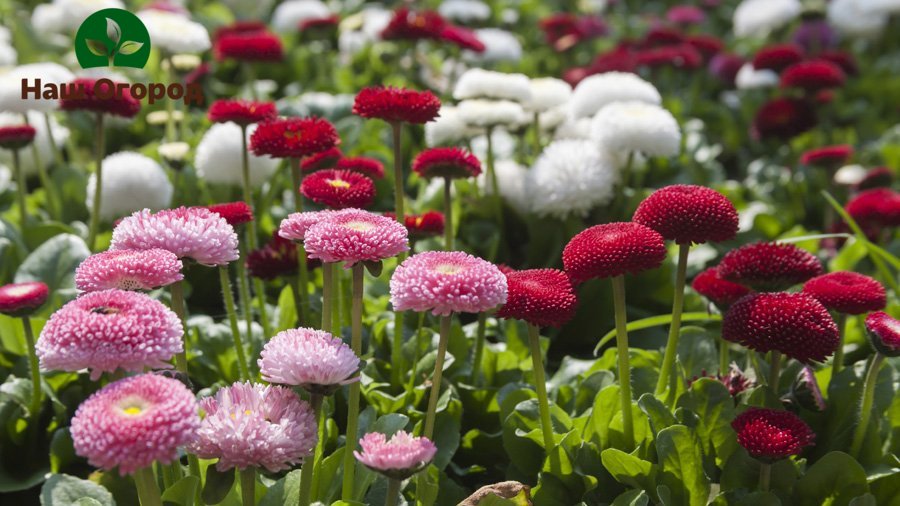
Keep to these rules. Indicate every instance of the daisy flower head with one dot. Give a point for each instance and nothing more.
(134, 422)
(218, 158)
(875, 208)
(813, 76)
(322, 160)
(769, 267)
(249, 46)
(571, 177)
(295, 225)
(110, 101)
(548, 93)
(493, 45)
(446, 282)
(364, 165)
(689, 214)
(541, 297)
(769, 435)
(16, 137)
(397, 105)
(353, 235)
(783, 118)
(408, 24)
(128, 270)
(447, 128)
(487, 84)
(613, 249)
(778, 57)
(720, 292)
(479, 113)
(595, 92)
(847, 292)
(290, 14)
(293, 137)
(451, 163)
(884, 333)
(399, 457)
(757, 18)
(828, 156)
(131, 182)
(312, 359)
(242, 112)
(235, 213)
(338, 189)
(174, 33)
(22, 299)
(637, 126)
(109, 330)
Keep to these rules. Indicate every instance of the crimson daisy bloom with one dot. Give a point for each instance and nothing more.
(847, 292)
(250, 45)
(613, 249)
(720, 292)
(338, 189)
(235, 213)
(364, 165)
(407, 24)
(884, 333)
(689, 214)
(541, 297)
(463, 38)
(20, 299)
(769, 267)
(783, 118)
(777, 57)
(327, 159)
(813, 76)
(293, 137)
(769, 435)
(17, 136)
(681, 56)
(118, 104)
(446, 163)
(242, 112)
(875, 208)
(396, 105)
(276, 258)
(827, 156)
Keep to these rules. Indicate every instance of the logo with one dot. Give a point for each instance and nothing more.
(112, 38)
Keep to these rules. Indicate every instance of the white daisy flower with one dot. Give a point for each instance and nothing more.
(636, 126)
(131, 182)
(512, 180)
(465, 11)
(571, 177)
(219, 159)
(598, 90)
(548, 93)
(849, 18)
(480, 83)
(288, 15)
(748, 78)
(65, 16)
(757, 18)
(447, 128)
(491, 113)
(502, 143)
(499, 46)
(175, 33)
(573, 128)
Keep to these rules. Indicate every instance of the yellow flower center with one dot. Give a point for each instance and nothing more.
(246, 412)
(360, 226)
(133, 406)
(338, 183)
(449, 268)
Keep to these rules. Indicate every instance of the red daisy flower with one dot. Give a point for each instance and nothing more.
(293, 137)
(338, 189)
(707, 45)
(876, 178)
(884, 333)
(681, 56)
(813, 76)
(541, 297)
(689, 214)
(252, 46)
(795, 324)
(16, 137)
(720, 292)
(367, 166)
(322, 27)
(82, 97)
(686, 15)
(242, 112)
(725, 67)
(276, 258)
(446, 163)
(422, 226)
(239, 28)
(462, 37)
(769, 434)
(235, 213)
(783, 118)
(620, 59)
(564, 30)
(613, 249)
(769, 266)
(875, 208)
(777, 57)
(842, 59)
(662, 36)
(828, 156)
(847, 292)
(414, 25)
(396, 105)
(22, 299)
(327, 159)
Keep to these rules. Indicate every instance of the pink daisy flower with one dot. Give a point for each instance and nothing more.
(309, 358)
(128, 270)
(108, 330)
(135, 421)
(399, 457)
(445, 282)
(294, 227)
(195, 233)
(253, 425)
(354, 235)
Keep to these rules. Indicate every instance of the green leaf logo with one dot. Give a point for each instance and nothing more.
(112, 38)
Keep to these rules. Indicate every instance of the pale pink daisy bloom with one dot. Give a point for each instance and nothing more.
(134, 422)
(294, 227)
(354, 235)
(253, 425)
(399, 457)
(128, 270)
(108, 330)
(445, 282)
(309, 358)
(195, 233)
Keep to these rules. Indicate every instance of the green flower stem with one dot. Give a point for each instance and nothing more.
(22, 191)
(248, 486)
(260, 290)
(250, 79)
(765, 475)
(666, 371)
(724, 359)
(301, 298)
(327, 297)
(148, 490)
(436, 378)
(398, 173)
(479, 346)
(248, 189)
(448, 215)
(618, 283)
(865, 410)
(537, 134)
(53, 202)
(337, 294)
(492, 178)
(306, 471)
(177, 291)
(353, 407)
(244, 292)
(35, 406)
(57, 152)
(837, 363)
(228, 297)
(411, 383)
(296, 181)
(99, 150)
(393, 492)
(774, 369)
(540, 384)
(399, 213)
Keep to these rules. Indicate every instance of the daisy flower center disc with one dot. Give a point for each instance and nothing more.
(339, 183)
(133, 406)
(359, 226)
(449, 268)
(106, 310)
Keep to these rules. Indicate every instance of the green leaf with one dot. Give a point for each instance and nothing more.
(287, 311)
(864, 500)
(182, 492)
(65, 490)
(759, 499)
(629, 470)
(713, 404)
(682, 466)
(130, 47)
(218, 484)
(657, 321)
(632, 498)
(657, 413)
(97, 47)
(284, 491)
(54, 262)
(834, 479)
(606, 405)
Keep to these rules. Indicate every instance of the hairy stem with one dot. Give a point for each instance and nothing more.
(865, 409)
(34, 366)
(667, 369)
(99, 150)
(540, 384)
(228, 298)
(618, 283)
(436, 378)
(353, 397)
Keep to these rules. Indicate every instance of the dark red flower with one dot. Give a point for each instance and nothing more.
(707, 45)
(414, 25)
(827, 156)
(110, 101)
(878, 207)
(239, 28)
(769, 434)
(682, 56)
(446, 163)
(613, 249)
(720, 292)
(251, 46)
(847, 292)
(662, 36)
(565, 30)
(541, 297)
(689, 214)
(876, 178)
(575, 75)
(368, 166)
(685, 15)
(327, 159)
(777, 57)
(422, 226)
(22, 299)
(813, 76)
(619, 59)
(769, 266)
(242, 112)
(17, 136)
(338, 189)
(293, 137)
(320, 26)
(276, 258)
(805, 391)
(462, 37)
(884, 333)
(235, 213)
(795, 324)
(783, 118)
(397, 104)
(725, 67)
(842, 59)
(734, 380)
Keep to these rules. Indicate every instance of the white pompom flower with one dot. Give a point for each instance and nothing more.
(447, 128)
(850, 18)
(636, 126)
(175, 33)
(480, 83)
(499, 46)
(570, 178)
(757, 18)
(288, 15)
(596, 91)
(490, 113)
(131, 182)
(219, 159)
(512, 179)
(465, 11)
(65, 16)
(548, 93)
(748, 78)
